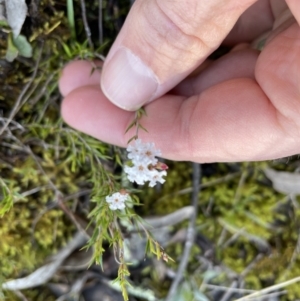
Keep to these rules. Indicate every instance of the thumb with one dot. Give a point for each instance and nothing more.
(161, 42)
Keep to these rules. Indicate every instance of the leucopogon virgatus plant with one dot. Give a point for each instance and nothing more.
(114, 205)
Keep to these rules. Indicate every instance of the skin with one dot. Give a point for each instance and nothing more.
(244, 106)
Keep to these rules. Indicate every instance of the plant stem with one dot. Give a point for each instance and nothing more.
(71, 19)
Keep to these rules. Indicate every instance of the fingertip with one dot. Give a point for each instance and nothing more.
(77, 74)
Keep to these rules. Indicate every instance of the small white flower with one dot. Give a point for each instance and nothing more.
(143, 152)
(117, 200)
(144, 162)
(134, 150)
(137, 173)
(157, 176)
(150, 153)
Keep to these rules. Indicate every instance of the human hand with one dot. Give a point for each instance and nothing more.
(244, 106)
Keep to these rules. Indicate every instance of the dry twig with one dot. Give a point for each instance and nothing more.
(22, 94)
(86, 24)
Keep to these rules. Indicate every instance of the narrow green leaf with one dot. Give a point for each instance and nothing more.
(140, 126)
(71, 18)
(23, 46)
(133, 138)
(12, 50)
(133, 123)
(67, 49)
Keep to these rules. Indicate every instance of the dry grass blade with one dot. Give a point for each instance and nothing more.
(269, 289)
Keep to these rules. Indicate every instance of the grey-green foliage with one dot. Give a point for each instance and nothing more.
(12, 17)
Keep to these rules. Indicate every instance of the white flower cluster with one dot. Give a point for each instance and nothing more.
(145, 165)
(117, 200)
(146, 168)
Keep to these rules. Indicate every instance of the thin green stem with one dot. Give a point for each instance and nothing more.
(71, 18)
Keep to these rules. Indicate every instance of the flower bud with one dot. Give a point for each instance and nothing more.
(161, 166)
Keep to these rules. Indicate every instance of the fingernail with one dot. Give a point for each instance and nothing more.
(126, 81)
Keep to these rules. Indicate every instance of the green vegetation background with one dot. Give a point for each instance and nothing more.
(40, 155)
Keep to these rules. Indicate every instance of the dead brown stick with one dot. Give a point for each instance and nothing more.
(86, 24)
